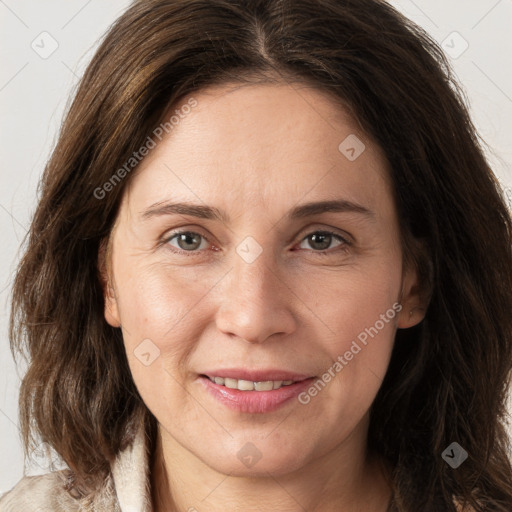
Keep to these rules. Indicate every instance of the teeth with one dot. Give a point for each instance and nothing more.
(266, 386)
(231, 383)
(248, 385)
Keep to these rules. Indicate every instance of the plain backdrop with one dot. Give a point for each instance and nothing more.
(44, 49)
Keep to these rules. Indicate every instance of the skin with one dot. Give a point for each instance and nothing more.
(255, 152)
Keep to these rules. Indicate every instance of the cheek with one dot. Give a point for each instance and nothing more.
(345, 391)
(361, 310)
(157, 324)
(157, 303)
(163, 312)
(357, 302)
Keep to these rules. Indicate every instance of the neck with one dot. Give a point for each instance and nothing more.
(345, 479)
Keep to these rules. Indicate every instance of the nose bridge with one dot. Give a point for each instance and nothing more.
(254, 275)
(254, 302)
(254, 265)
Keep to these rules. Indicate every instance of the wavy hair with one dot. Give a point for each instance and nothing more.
(448, 376)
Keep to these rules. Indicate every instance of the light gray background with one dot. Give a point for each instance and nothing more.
(34, 92)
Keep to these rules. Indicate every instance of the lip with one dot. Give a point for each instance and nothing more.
(255, 402)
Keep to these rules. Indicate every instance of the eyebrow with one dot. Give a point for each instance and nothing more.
(209, 212)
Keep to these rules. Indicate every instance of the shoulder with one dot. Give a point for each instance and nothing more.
(42, 493)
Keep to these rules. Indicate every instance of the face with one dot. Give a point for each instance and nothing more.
(257, 284)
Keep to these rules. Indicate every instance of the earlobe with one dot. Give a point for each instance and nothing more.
(415, 299)
(111, 310)
(410, 317)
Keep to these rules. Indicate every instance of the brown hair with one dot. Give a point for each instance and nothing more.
(448, 376)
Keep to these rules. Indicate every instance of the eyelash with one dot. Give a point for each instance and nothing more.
(345, 243)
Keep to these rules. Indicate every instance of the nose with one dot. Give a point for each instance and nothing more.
(256, 303)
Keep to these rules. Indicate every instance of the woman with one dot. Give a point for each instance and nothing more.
(270, 269)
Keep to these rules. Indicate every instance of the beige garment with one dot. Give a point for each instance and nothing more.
(127, 489)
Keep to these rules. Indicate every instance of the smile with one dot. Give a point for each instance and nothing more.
(253, 396)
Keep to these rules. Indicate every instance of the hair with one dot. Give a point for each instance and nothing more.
(448, 377)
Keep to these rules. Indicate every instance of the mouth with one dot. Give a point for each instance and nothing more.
(254, 392)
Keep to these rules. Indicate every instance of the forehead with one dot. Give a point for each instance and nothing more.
(259, 145)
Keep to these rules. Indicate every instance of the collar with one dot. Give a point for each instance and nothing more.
(131, 475)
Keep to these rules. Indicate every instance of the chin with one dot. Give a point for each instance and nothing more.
(244, 458)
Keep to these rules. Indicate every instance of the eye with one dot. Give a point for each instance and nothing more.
(322, 240)
(187, 241)
(191, 242)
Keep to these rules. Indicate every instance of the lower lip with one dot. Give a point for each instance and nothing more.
(254, 402)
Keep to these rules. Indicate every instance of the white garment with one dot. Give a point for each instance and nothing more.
(127, 489)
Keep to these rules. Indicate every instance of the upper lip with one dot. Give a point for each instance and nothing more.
(256, 375)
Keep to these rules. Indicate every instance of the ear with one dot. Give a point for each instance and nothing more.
(416, 290)
(111, 306)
